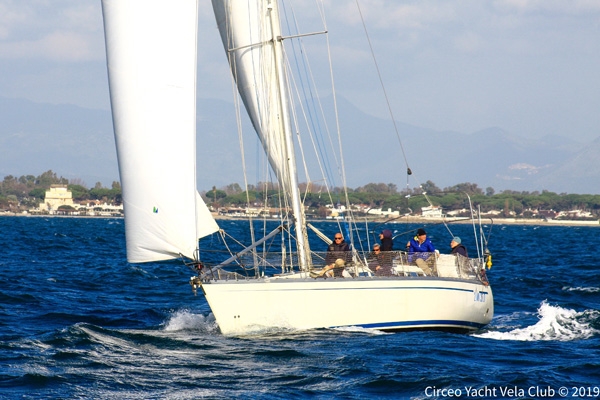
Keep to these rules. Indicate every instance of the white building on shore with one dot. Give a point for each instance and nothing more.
(431, 212)
(56, 196)
(383, 213)
(60, 195)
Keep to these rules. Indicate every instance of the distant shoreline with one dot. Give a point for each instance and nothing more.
(415, 220)
(419, 220)
(10, 214)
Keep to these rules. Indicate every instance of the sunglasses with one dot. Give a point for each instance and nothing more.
(338, 238)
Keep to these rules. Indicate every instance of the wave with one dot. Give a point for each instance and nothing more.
(582, 289)
(185, 320)
(555, 323)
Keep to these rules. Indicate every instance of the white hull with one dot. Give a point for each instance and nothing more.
(389, 304)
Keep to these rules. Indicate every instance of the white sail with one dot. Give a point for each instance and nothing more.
(251, 34)
(151, 55)
(246, 32)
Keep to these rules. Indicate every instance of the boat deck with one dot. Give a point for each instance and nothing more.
(394, 264)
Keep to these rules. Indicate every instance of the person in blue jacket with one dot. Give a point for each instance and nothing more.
(422, 252)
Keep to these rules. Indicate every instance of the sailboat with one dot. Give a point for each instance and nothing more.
(151, 58)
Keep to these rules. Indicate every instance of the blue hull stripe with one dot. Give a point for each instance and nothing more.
(422, 324)
(383, 288)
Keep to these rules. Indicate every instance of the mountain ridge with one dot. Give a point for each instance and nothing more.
(78, 143)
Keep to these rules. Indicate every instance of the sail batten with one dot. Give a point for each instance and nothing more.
(151, 59)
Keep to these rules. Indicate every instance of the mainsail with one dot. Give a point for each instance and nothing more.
(151, 55)
(251, 34)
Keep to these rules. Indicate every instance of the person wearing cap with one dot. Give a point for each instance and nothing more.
(421, 251)
(420, 243)
(462, 256)
(457, 247)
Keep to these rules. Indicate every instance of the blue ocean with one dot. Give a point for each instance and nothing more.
(78, 322)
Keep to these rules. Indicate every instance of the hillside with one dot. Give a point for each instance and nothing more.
(78, 143)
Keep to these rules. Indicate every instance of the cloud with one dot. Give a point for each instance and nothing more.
(10, 16)
(69, 31)
(56, 46)
(573, 7)
(383, 14)
(529, 66)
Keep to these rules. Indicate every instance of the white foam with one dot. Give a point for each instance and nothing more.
(360, 330)
(582, 289)
(555, 323)
(183, 320)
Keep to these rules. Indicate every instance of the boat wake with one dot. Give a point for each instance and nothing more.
(185, 320)
(555, 323)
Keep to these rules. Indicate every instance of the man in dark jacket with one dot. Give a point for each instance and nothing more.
(457, 247)
(338, 254)
(338, 249)
(379, 262)
(462, 256)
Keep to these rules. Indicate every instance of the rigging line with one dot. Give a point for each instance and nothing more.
(479, 251)
(305, 70)
(264, 207)
(319, 135)
(268, 127)
(313, 122)
(382, 85)
(230, 57)
(326, 171)
(310, 126)
(223, 235)
(338, 128)
(292, 83)
(429, 224)
(337, 123)
(318, 146)
(444, 221)
(295, 116)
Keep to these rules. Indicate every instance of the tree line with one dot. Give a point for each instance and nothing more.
(27, 191)
(387, 195)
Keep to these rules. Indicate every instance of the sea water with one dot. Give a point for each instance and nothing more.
(78, 322)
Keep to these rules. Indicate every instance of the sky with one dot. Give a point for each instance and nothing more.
(530, 67)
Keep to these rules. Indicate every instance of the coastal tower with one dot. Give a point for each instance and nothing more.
(56, 196)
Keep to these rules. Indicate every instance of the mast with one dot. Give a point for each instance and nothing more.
(286, 132)
(251, 35)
